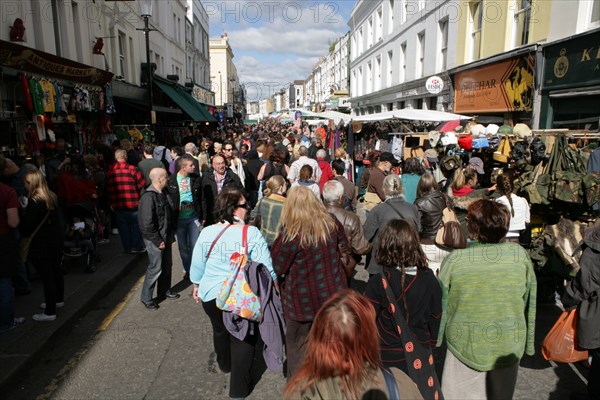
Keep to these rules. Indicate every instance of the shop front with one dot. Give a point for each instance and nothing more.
(571, 83)
(497, 90)
(46, 97)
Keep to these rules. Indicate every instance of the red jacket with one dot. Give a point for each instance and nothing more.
(326, 172)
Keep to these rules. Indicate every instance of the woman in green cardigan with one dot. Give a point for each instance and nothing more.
(489, 308)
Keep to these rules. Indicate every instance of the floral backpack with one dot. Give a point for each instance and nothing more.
(235, 295)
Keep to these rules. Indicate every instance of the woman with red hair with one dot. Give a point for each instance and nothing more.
(342, 357)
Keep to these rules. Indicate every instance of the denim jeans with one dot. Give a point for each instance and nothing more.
(188, 230)
(129, 230)
(159, 269)
(7, 303)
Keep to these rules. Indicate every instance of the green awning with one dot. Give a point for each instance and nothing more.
(193, 112)
(196, 104)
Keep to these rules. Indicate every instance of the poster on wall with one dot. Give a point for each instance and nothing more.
(505, 86)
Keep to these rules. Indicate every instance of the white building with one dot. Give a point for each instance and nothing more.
(297, 99)
(198, 58)
(395, 46)
(223, 73)
(265, 106)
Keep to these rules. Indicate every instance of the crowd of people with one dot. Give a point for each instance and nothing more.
(310, 224)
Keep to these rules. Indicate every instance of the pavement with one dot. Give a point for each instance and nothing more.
(137, 353)
(22, 346)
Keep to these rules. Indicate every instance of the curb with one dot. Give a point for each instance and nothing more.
(33, 343)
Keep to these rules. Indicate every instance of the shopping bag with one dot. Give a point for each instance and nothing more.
(560, 344)
(235, 295)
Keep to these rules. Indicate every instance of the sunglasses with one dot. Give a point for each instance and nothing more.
(243, 205)
(228, 149)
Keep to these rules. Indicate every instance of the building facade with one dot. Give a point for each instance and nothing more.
(395, 46)
(223, 73)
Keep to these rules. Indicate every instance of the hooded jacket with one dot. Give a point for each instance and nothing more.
(583, 291)
(173, 193)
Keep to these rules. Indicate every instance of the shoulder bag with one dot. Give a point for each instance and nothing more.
(450, 234)
(235, 295)
(25, 242)
(419, 359)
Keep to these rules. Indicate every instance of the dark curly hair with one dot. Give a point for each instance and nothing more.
(226, 204)
(488, 221)
(412, 165)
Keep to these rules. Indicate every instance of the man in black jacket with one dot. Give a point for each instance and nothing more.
(185, 194)
(155, 216)
(213, 182)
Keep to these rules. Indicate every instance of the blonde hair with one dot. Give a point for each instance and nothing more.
(120, 155)
(462, 176)
(274, 183)
(340, 153)
(305, 217)
(38, 189)
(392, 185)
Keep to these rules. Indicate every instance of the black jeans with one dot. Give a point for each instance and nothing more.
(296, 337)
(594, 376)
(247, 360)
(48, 266)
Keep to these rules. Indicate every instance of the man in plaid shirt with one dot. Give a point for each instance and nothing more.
(124, 183)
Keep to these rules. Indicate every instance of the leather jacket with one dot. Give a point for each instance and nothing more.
(430, 207)
(352, 227)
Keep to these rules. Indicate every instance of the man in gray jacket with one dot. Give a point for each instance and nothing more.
(155, 216)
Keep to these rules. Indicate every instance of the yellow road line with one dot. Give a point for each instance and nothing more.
(117, 310)
(73, 361)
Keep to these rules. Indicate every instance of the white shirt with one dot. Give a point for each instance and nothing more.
(522, 214)
(294, 173)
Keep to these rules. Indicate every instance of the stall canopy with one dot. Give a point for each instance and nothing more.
(185, 101)
(411, 114)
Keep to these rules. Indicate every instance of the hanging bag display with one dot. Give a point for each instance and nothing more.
(235, 295)
(466, 142)
(419, 358)
(567, 177)
(560, 344)
(481, 143)
(503, 153)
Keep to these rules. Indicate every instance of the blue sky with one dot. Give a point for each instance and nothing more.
(279, 41)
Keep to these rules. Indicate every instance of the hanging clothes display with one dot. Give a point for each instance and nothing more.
(48, 95)
(37, 95)
(27, 93)
(110, 104)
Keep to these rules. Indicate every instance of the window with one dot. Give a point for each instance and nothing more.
(370, 32)
(522, 22)
(389, 75)
(419, 104)
(595, 12)
(378, 73)
(158, 64)
(122, 62)
(360, 41)
(297, 91)
(404, 11)
(77, 26)
(369, 77)
(353, 46)
(175, 26)
(443, 40)
(379, 24)
(390, 107)
(178, 30)
(402, 55)
(359, 82)
(391, 17)
(433, 103)
(353, 84)
(420, 54)
(476, 23)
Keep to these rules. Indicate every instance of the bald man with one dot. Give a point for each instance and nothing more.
(155, 216)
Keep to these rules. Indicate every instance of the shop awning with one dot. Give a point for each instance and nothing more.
(194, 103)
(174, 94)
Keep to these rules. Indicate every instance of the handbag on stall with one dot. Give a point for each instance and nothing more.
(466, 142)
(502, 155)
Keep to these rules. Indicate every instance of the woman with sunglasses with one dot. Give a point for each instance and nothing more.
(211, 267)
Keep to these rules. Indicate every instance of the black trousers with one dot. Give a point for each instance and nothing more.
(500, 383)
(247, 362)
(48, 266)
(296, 337)
(594, 376)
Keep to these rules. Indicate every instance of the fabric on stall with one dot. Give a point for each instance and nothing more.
(48, 95)
(36, 96)
(110, 104)
(27, 93)
(397, 148)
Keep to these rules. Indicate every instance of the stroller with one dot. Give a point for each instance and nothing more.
(81, 237)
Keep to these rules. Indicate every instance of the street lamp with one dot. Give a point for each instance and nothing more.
(146, 13)
(221, 89)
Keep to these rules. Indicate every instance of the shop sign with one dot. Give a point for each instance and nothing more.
(38, 62)
(434, 85)
(574, 62)
(202, 95)
(500, 87)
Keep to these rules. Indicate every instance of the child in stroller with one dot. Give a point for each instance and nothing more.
(80, 237)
